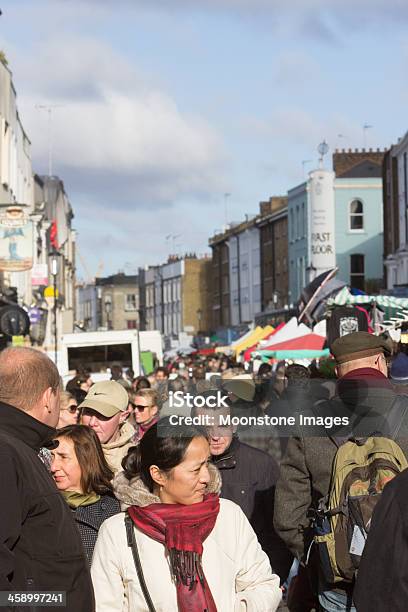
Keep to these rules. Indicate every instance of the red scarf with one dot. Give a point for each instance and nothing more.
(371, 376)
(183, 529)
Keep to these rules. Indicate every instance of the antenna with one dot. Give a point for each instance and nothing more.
(322, 149)
(304, 162)
(366, 127)
(49, 108)
(226, 196)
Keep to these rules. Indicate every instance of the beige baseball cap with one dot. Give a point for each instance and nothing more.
(106, 397)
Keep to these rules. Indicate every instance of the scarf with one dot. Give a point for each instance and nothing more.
(183, 529)
(143, 427)
(360, 379)
(74, 499)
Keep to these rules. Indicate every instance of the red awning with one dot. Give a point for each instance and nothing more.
(308, 342)
(248, 351)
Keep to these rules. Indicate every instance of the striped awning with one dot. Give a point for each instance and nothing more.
(385, 301)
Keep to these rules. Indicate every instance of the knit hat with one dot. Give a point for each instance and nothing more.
(399, 369)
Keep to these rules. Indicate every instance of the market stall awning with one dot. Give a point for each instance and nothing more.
(247, 353)
(384, 301)
(257, 335)
(295, 354)
(311, 342)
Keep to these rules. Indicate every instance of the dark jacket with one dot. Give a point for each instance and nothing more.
(249, 477)
(40, 547)
(90, 518)
(306, 470)
(382, 580)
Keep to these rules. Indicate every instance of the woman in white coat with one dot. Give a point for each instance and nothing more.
(195, 552)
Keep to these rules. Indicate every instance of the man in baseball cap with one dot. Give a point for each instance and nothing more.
(106, 410)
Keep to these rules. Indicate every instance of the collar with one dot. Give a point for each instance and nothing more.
(126, 434)
(228, 459)
(134, 492)
(145, 426)
(19, 424)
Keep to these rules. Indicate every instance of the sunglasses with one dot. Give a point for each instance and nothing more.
(139, 407)
(71, 409)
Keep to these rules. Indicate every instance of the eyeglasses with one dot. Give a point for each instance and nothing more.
(139, 407)
(71, 409)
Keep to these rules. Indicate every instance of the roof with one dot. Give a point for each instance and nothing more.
(118, 279)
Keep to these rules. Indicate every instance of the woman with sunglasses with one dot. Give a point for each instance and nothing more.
(83, 476)
(181, 547)
(144, 404)
(68, 410)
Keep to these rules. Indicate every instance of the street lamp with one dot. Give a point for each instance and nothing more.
(54, 273)
(199, 315)
(311, 273)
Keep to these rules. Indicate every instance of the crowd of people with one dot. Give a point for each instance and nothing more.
(112, 501)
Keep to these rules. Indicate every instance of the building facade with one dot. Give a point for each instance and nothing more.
(178, 296)
(273, 228)
(395, 177)
(335, 219)
(36, 219)
(109, 303)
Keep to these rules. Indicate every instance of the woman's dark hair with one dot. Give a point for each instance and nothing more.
(79, 394)
(96, 474)
(76, 382)
(163, 445)
(141, 382)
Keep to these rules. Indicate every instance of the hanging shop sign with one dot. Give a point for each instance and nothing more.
(16, 239)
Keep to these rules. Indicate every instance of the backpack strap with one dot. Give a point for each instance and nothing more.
(397, 415)
(131, 541)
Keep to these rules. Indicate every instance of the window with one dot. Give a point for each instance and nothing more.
(357, 271)
(130, 301)
(131, 324)
(292, 225)
(297, 223)
(356, 216)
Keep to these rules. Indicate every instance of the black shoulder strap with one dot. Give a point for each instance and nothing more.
(395, 418)
(131, 540)
(397, 415)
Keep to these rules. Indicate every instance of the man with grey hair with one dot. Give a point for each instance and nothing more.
(40, 546)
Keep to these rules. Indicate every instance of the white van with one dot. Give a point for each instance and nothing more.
(99, 350)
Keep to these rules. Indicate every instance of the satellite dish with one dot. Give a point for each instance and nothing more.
(323, 148)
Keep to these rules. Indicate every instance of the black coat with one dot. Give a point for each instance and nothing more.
(382, 579)
(90, 518)
(249, 477)
(40, 547)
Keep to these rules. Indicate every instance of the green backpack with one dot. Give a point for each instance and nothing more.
(361, 469)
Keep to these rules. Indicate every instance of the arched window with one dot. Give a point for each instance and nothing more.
(356, 215)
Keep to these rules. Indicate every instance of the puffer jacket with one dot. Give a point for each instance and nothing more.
(236, 568)
(115, 451)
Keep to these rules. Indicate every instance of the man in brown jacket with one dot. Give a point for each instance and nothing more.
(364, 393)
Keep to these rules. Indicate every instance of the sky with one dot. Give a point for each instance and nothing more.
(162, 107)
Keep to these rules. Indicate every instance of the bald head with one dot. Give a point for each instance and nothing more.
(25, 376)
(377, 362)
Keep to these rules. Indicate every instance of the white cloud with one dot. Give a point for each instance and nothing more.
(111, 124)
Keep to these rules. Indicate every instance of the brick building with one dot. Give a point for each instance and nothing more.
(395, 200)
(273, 227)
(175, 296)
(109, 303)
(220, 291)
